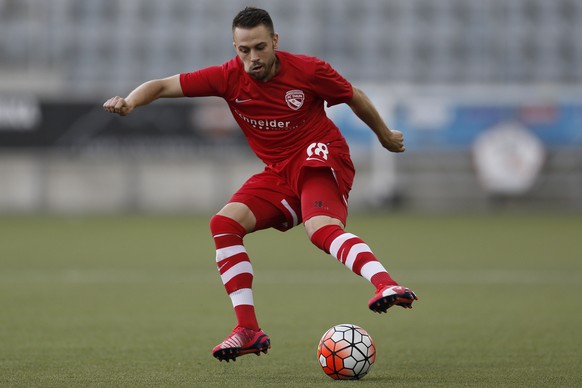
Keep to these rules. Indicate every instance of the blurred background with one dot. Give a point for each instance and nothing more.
(487, 93)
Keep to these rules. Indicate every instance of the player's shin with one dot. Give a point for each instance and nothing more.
(234, 266)
(353, 252)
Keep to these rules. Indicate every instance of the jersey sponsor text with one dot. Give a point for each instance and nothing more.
(265, 124)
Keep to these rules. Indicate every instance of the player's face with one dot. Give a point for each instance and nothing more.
(256, 48)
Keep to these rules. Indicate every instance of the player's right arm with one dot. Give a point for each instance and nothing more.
(145, 94)
(364, 108)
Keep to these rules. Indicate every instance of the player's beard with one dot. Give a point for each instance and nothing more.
(263, 71)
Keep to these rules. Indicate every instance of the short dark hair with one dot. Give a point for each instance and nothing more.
(251, 17)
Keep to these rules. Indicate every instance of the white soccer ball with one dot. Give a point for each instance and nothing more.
(346, 352)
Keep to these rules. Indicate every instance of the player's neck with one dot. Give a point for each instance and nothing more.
(274, 70)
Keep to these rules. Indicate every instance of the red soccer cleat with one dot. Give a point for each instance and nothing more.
(389, 296)
(240, 342)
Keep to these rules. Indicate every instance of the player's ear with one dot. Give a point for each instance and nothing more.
(275, 40)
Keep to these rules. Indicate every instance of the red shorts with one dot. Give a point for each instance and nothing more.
(274, 194)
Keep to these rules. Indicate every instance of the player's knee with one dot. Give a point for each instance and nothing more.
(240, 213)
(315, 223)
(220, 224)
(322, 233)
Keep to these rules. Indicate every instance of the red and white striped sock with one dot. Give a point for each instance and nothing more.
(353, 252)
(235, 268)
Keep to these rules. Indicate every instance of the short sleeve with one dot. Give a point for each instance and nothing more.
(210, 81)
(330, 85)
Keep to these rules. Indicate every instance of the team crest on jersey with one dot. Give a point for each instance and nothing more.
(295, 99)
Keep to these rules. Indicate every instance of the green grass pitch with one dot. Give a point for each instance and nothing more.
(137, 301)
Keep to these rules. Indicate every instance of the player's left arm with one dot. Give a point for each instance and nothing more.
(392, 140)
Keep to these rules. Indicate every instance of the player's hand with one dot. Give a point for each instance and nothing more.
(118, 105)
(393, 141)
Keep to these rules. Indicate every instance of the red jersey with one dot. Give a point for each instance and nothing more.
(283, 115)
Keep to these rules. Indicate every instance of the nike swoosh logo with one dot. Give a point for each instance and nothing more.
(241, 101)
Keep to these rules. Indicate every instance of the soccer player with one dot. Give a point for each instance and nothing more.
(277, 98)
